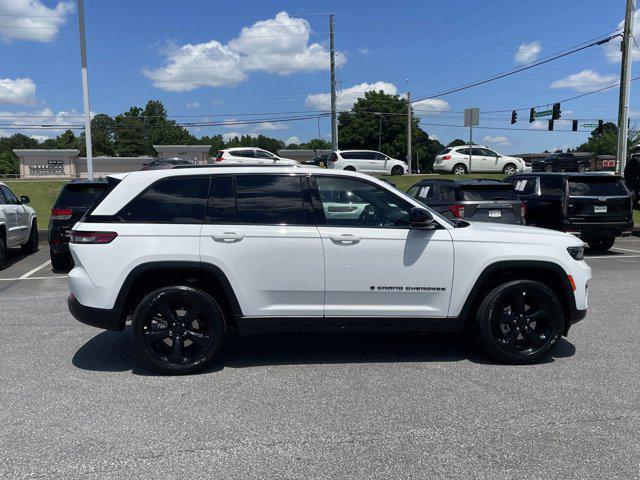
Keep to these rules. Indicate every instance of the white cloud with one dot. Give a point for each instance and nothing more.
(430, 105)
(191, 105)
(230, 135)
(528, 52)
(25, 120)
(40, 138)
(348, 96)
(257, 48)
(291, 140)
(21, 91)
(585, 81)
(612, 48)
(497, 140)
(272, 126)
(363, 51)
(434, 137)
(31, 19)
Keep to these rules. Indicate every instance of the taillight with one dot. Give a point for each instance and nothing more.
(61, 213)
(92, 237)
(446, 157)
(333, 157)
(457, 210)
(523, 211)
(219, 157)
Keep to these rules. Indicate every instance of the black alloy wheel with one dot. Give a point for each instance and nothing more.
(397, 170)
(520, 322)
(32, 244)
(178, 330)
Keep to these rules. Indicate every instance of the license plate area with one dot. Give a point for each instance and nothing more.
(600, 209)
(495, 214)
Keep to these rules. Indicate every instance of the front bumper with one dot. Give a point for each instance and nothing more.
(96, 317)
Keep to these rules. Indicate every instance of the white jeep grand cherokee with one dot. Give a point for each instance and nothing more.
(190, 253)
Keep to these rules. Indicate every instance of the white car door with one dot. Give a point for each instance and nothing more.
(14, 213)
(245, 156)
(375, 265)
(479, 160)
(260, 231)
(493, 161)
(265, 158)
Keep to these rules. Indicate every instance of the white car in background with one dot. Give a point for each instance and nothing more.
(18, 224)
(251, 156)
(366, 161)
(483, 159)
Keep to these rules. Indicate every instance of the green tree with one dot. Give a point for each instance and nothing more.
(456, 143)
(9, 163)
(129, 134)
(102, 129)
(604, 143)
(317, 144)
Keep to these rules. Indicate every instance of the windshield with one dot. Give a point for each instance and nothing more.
(478, 193)
(596, 187)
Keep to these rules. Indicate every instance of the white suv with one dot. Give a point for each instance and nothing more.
(250, 156)
(456, 160)
(18, 224)
(366, 161)
(188, 254)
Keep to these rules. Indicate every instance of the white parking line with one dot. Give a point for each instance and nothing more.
(626, 250)
(611, 257)
(31, 272)
(31, 278)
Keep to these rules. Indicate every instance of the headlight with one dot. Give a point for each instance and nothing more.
(576, 252)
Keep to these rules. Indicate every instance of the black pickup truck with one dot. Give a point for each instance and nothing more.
(596, 207)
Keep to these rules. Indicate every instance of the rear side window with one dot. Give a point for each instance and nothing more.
(552, 185)
(463, 151)
(269, 199)
(477, 193)
(445, 151)
(447, 193)
(221, 206)
(243, 153)
(171, 200)
(525, 186)
(78, 195)
(596, 187)
(3, 201)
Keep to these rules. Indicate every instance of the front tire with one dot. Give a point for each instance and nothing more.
(32, 244)
(519, 322)
(178, 330)
(397, 170)
(509, 169)
(459, 169)
(3, 251)
(602, 244)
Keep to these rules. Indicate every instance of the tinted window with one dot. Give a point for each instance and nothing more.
(525, 186)
(494, 192)
(478, 151)
(350, 202)
(243, 153)
(445, 151)
(380, 156)
(263, 154)
(171, 200)
(447, 193)
(552, 185)
(221, 207)
(356, 155)
(78, 195)
(3, 200)
(269, 199)
(463, 151)
(10, 198)
(488, 153)
(596, 187)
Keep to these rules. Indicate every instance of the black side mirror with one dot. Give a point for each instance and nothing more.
(24, 199)
(421, 218)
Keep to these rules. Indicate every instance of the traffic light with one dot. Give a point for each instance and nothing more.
(574, 126)
(551, 124)
(532, 115)
(600, 127)
(514, 117)
(555, 113)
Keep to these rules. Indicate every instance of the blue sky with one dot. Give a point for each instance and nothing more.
(215, 61)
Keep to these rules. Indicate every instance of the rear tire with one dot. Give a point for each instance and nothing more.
(397, 170)
(175, 343)
(459, 169)
(3, 251)
(61, 261)
(602, 244)
(32, 244)
(519, 322)
(509, 169)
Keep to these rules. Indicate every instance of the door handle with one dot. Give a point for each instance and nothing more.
(228, 237)
(345, 239)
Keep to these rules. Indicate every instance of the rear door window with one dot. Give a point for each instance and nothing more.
(80, 196)
(170, 200)
(596, 187)
(552, 185)
(270, 200)
(243, 153)
(447, 193)
(463, 151)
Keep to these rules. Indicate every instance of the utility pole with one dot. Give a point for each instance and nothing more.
(409, 130)
(380, 133)
(625, 80)
(334, 118)
(85, 89)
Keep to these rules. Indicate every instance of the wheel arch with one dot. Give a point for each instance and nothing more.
(548, 273)
(150, 276)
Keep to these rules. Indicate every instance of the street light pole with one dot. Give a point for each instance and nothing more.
(85, 90)
(625, 81)
(380, 133)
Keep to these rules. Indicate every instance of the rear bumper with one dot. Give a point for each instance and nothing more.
(598, 230)
(108, 319)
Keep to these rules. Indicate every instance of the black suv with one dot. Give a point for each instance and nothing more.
(597, 207)
(478, 200)
(561, 162)
(74, 200)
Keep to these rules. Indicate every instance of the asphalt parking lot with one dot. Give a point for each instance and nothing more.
(75, 403)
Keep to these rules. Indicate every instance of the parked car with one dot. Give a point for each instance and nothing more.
(18, 224)
(188, 254)
(595, 206)
(251, 156)
(483, 159)
(319, 161)
(166, 163)
(75, 198)
(366, 161)
(477, 200)
(561, 162)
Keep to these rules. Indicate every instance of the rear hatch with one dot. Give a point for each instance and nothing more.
(597, 199)
(74, 201)
(491, 203)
